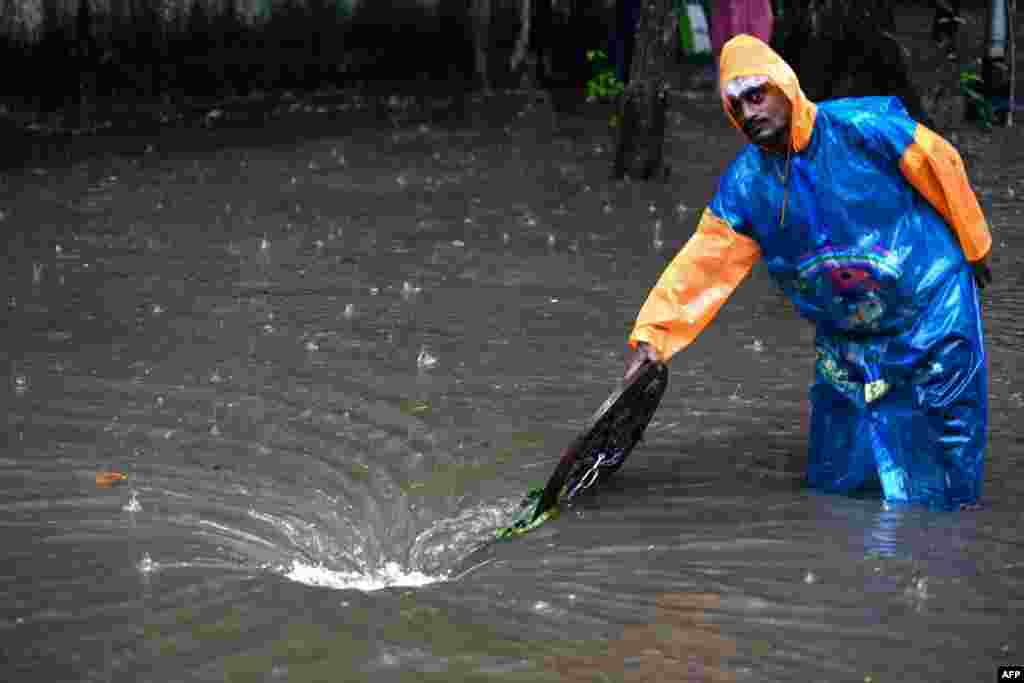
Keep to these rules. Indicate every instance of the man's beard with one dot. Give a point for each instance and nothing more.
(773, 139)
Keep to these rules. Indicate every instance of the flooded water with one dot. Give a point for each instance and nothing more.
(330, 369)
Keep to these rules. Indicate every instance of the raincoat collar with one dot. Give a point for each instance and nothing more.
(746, 55)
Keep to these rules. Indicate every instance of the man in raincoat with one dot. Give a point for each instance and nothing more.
(867, 221)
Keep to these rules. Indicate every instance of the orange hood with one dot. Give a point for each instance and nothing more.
(746, 55)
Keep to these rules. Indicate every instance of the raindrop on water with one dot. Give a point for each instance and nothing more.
(425, 360)
(264, 243)
(37, 273)
(312, 346)
(349, 311)
(146, 565)
(551, 239)
(20, 384)
(409, 290)
(133, 505)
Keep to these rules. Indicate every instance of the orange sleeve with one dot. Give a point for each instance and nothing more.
(936, 170)
(691, 290)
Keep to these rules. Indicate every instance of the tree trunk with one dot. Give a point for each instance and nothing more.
(481, 18)
(523, 40)
(945, 103)
(639, 148)
(848, 49)
(540, 40)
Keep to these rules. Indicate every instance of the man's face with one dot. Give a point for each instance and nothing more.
(763, 112)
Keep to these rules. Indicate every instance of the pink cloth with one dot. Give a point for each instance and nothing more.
(733, 17)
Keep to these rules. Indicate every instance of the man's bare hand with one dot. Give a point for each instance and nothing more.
(982, 272)
(637, 358)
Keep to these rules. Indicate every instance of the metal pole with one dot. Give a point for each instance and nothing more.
(1011, 15)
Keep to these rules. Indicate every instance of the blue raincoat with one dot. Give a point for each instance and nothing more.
(868, 224)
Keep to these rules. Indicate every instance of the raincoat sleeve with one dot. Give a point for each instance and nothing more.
(936, 170)
(693, 287)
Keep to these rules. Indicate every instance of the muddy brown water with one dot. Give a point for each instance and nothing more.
(331, 366)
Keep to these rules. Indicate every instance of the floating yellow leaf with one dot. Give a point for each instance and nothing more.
(106, 479)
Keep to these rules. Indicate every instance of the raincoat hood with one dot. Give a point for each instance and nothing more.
(746, 55)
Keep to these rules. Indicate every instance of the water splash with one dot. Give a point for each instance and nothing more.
(146, 565)
(409, 290)
(133, 505)
(391, 574)
(425, 359)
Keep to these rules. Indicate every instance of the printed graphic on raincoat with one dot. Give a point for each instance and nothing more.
(868, 224)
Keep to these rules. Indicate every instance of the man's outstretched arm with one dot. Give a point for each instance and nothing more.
(691, 290)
